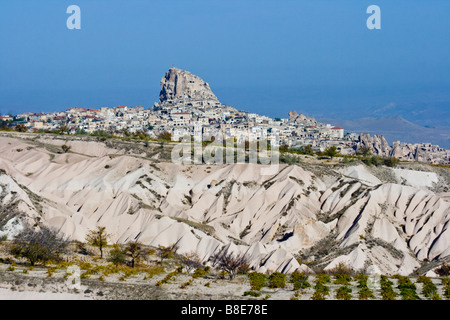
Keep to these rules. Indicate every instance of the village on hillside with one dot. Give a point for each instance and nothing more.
(188, 108)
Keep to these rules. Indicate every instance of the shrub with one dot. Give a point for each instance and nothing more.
(341, 268)
(407, 288)
(429, 289)
(446, 283)
(257, 280)
(344, 293)
(167, 278)
(21, 128)
(252, 293)
(277, 280)
(373, 160)
(391, 162)
(187, 283)
(152, 271)
(65, 148)
(201, 272)
(299, 280)
(318, 296)
(364, 151)
(322, 278)
(387, 291)
(165, 136)
(320, 288)
(289, 158)
(364, 292)
(342, 278)
(117, 256)
(101, 134)
(296, 295)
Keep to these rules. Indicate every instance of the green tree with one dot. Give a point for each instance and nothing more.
(331, 151)
(98, 238)
(117, 255)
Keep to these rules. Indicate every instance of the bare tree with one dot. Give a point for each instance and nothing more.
(191, 261)
(230, 262)
(136, 252)
(39, 245)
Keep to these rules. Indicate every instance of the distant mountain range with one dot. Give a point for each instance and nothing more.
(395, 128)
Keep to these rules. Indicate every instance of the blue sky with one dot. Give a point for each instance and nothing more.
(270, 57)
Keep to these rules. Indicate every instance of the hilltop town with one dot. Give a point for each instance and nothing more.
(187, 107)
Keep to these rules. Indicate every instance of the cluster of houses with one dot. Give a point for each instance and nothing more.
(203, 123)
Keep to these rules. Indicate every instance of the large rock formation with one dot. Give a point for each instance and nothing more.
(180, 86)
(301, 118)
(376, 144)
(362, 216)
(423, 152)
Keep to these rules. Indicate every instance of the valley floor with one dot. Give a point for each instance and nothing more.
(18, 283)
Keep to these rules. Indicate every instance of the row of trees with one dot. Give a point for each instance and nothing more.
(42, 244)
(364, 154)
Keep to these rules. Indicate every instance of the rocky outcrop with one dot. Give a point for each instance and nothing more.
(323, 215)
(376, 144)
(180, 86)
(301, 119)
(424, 152)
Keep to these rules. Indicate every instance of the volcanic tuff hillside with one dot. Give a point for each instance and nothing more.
(392, 220)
